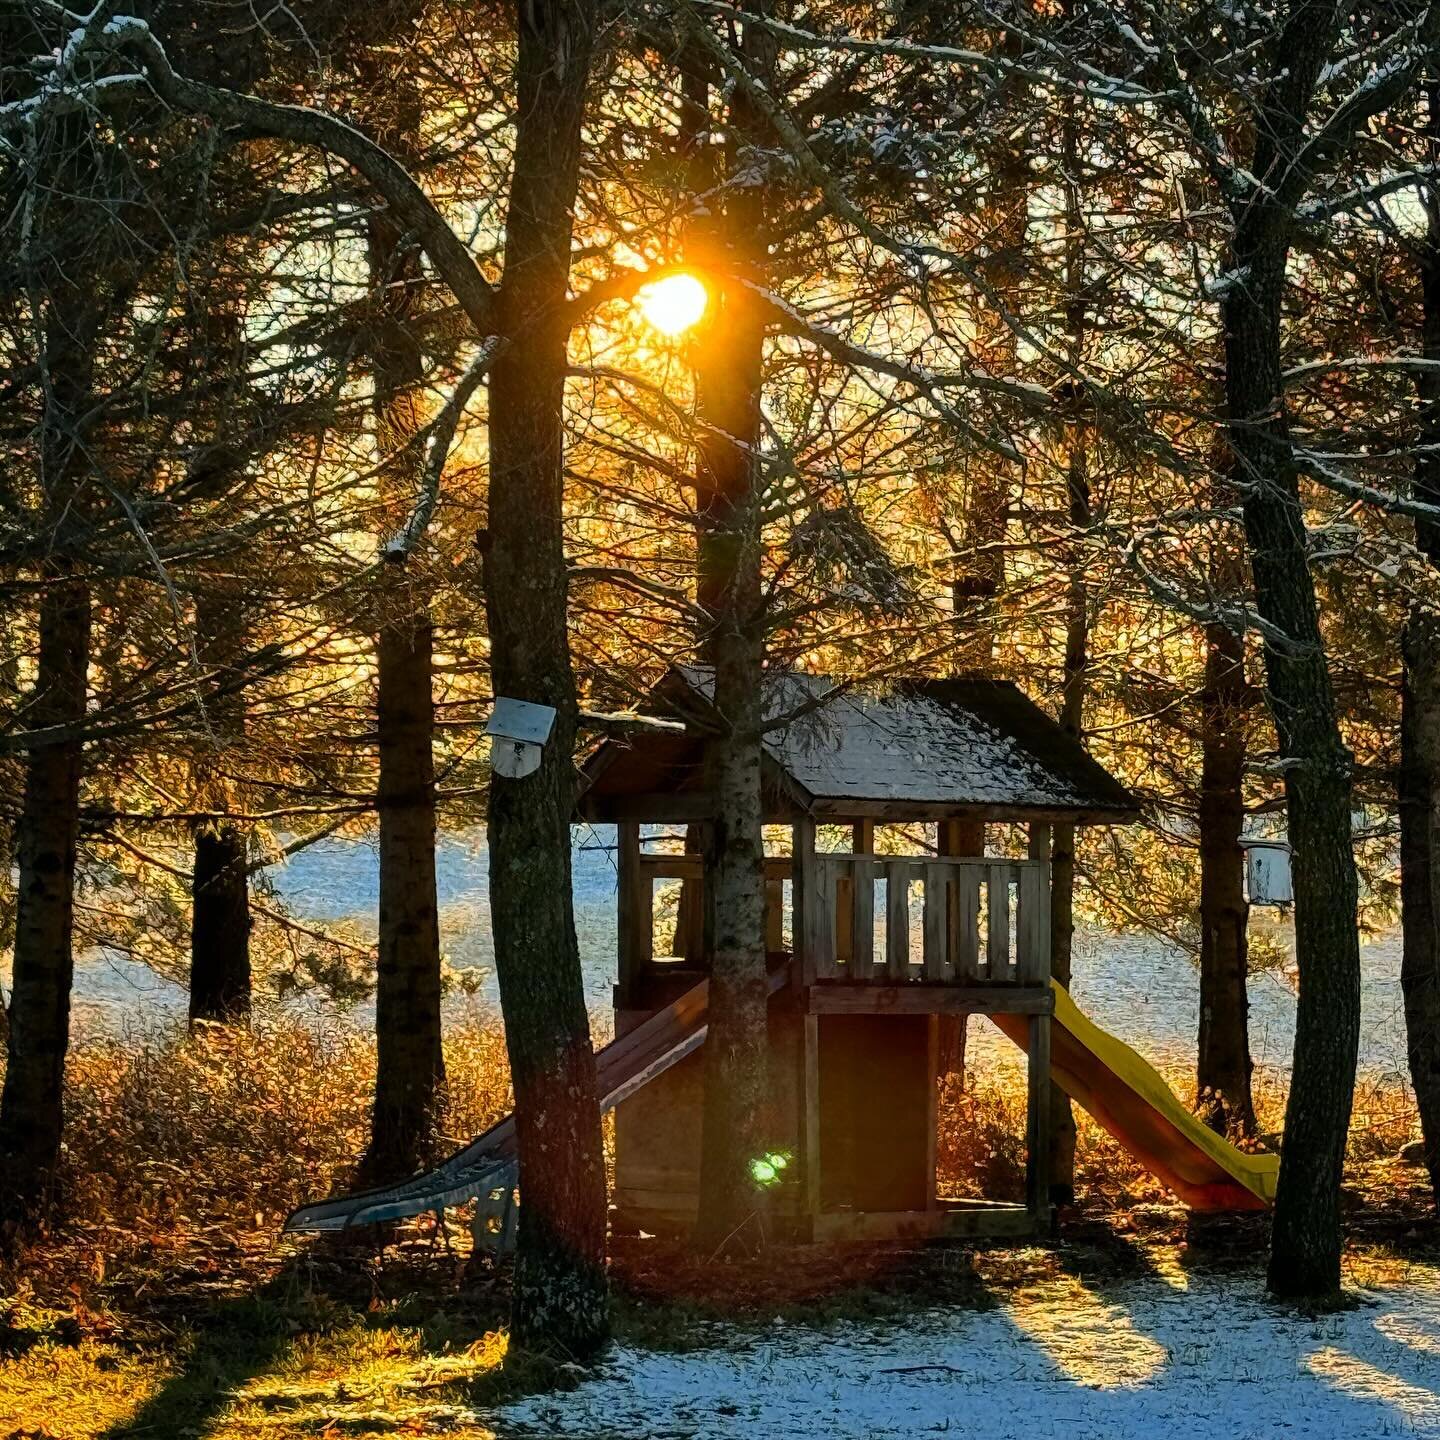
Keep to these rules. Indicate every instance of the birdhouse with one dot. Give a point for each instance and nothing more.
(1267, 872)
(518, 731)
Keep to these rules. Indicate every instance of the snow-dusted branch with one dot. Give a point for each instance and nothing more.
(398, 547)
(131, 40)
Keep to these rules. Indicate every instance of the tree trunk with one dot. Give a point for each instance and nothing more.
(1306, 1235)
(31, 1106)
(1419, 797)
(736, 1047)
(560, 1296)
(729, 359)
(410, 1062)
(220, 926)
(1419, 773)
(220, 881)
(1223, 1071)
(1077, 629)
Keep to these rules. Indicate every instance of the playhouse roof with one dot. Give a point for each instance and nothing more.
(919, 749)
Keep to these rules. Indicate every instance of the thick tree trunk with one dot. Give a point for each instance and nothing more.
(31, 1106)
(729, 359)
(1419, 775)
(410, 1063)
(736, 1047)
(220, 926)
(560, 1295)
(1419, 797)
(1223, 1072)
(1306, 1236)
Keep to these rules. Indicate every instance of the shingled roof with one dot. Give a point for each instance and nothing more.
(918, 749)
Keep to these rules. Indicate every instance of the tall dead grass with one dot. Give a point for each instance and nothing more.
(228, 1126)
(233, 1128)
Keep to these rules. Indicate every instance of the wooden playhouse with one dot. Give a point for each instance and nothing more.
(869, 951)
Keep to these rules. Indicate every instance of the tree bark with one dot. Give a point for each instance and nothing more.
(1076, 665)
(31, 1105)
(220, 883)
(220, 926)
(1418, 781)
(1224, 1067)
(32, 1100)
(560, 1295)
(729, 364)
(1062, 839)
(410, 1062)
(736, 1047)
(1306, 1235)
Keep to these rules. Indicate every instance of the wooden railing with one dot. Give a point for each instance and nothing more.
(982, 921)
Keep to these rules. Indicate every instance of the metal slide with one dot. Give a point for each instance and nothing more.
(1128, 1097)
(485, 1168)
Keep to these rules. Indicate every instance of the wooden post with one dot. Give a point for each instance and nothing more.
(1038, 846)
(959, 838)
(809, 1136)
(634, 938)
(932, 1126)
(805, 890)
(1037, 1128)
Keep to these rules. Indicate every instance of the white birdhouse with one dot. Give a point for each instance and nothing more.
(518, 731)
(1267, 872)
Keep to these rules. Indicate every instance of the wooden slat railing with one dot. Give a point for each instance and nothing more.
(982, 921)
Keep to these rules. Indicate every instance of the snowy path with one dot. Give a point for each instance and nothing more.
(1166, 1357)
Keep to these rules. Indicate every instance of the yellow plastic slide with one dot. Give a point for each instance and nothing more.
(1135, 1105)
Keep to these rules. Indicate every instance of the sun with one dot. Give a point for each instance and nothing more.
(673, 304)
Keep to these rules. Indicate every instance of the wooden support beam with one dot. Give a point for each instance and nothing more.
(805, 892)
(1037, 1127)
(634, 933)
(947, 1222)
(917, 998)
(809, 1127)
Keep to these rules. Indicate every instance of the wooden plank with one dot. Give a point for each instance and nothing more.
(822, 931)
(634, 922)
(897, 919)
(804, 902)
(915, 998)
(862, 925)
(997, 929)
(932, 1113)
(933, 957)
(1037, 1123)
(774, 916)
(692, 866)
(809, 1128)
(1034, 925)
(967, 919)
(978, 1222)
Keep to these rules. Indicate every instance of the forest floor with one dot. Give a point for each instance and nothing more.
(1133, 1322)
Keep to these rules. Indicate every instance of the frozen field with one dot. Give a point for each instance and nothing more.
(1166, 1357)
(1134, 985)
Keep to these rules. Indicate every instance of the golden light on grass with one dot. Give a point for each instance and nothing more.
(674, 304)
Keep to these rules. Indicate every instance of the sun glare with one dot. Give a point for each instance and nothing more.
(673, 304)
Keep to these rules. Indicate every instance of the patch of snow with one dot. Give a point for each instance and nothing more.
(1172, 1356)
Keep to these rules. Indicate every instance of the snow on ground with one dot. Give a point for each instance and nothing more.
(1168, 1356)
